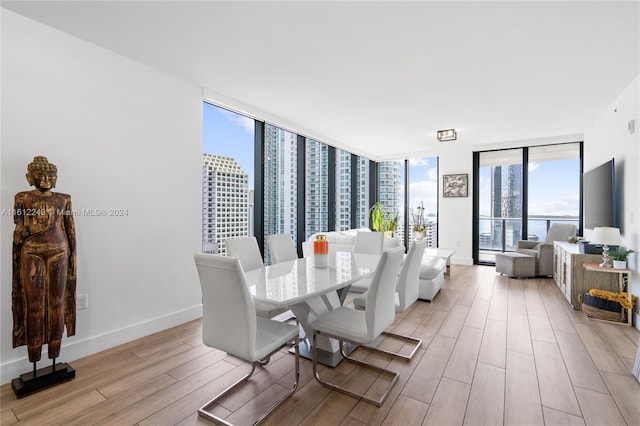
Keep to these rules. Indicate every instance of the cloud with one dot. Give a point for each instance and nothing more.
(246, 123)
(424, 161)
(533, 166)
(424, 191)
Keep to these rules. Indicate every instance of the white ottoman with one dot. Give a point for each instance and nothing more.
(431, 278)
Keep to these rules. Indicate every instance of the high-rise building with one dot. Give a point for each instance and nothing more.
(506, 204)
(316, 188)
(280, 183)
(389, 189)
(225, 206)
(346, 192)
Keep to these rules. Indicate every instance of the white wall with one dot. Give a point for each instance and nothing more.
(455, 214)
(609, 137)
(123, 136)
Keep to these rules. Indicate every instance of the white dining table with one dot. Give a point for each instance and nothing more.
(310, 291)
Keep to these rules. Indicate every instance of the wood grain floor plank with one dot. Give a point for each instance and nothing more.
(462, 363)
(477, 316)
(59, 415)
(493, 349)
(598, 408)
(449, 404)
(559, 319)
(582, 371)
(625, 391)
(522, 395)
(429, 326)
(556, 390)
(112, 406)
(406, 411)
(454, 322)
(554, 417)
(486, 401)
(603, 357)
(424, 381)
(369, 414)
(518, 334)
(498, 305)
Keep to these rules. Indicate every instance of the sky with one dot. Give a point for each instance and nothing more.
(229, 134)
(554, 188)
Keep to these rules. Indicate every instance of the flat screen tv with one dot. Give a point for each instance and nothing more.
(599, 196)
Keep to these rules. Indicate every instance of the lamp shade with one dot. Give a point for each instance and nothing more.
(606, 236)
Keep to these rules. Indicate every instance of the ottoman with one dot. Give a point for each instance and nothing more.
(516, 265)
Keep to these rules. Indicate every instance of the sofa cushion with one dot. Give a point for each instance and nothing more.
(529, 252)
(431, 267)
(391, 243)
(343, 239)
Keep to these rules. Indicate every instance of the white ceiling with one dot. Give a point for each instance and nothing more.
(380, 78)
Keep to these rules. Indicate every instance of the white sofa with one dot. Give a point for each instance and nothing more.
(431, 278)
(344, 241)
(431, 270)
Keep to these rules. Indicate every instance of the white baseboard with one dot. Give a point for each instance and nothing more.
(462, 261)
(77, 349)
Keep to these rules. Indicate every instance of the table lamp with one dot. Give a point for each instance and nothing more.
(606, 236)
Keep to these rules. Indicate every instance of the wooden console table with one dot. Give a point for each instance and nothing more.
(594, 267)
(572, 279)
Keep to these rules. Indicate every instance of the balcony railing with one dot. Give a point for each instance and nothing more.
(501, 234)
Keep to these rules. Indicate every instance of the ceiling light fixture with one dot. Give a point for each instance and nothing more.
(447, 135)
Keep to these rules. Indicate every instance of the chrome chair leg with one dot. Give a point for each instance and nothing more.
(376, 402)
(409, 339)
(203, 411)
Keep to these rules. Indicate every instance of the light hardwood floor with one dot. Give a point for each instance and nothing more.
(496, 351)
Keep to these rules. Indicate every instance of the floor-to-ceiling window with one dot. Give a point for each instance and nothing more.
(303, 186)
(227, 183)
(423, 199)
(520, 192)
(553, 188)
(500, 219)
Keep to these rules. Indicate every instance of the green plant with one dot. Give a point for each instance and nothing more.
(392, 223)
(620, 253)
(381, 219)
(377, 213)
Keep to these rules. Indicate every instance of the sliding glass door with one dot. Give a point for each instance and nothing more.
(521, 192)
(500, 202)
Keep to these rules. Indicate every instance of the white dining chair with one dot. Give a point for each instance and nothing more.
(281, 248)
(230, 324)
(363, 327)
(406, 295)
(366, 243)
(369, 242)
(246, 250)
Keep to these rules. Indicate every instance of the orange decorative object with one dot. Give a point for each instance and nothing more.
(321, 245)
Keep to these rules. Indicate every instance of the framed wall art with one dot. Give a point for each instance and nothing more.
(455, 185)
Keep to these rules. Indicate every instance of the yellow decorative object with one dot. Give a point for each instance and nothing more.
(621, 297)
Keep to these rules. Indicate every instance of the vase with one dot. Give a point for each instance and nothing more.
(321, 252)
(620, 264)
(418, 235)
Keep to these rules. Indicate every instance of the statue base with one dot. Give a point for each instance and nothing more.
(46, 377)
